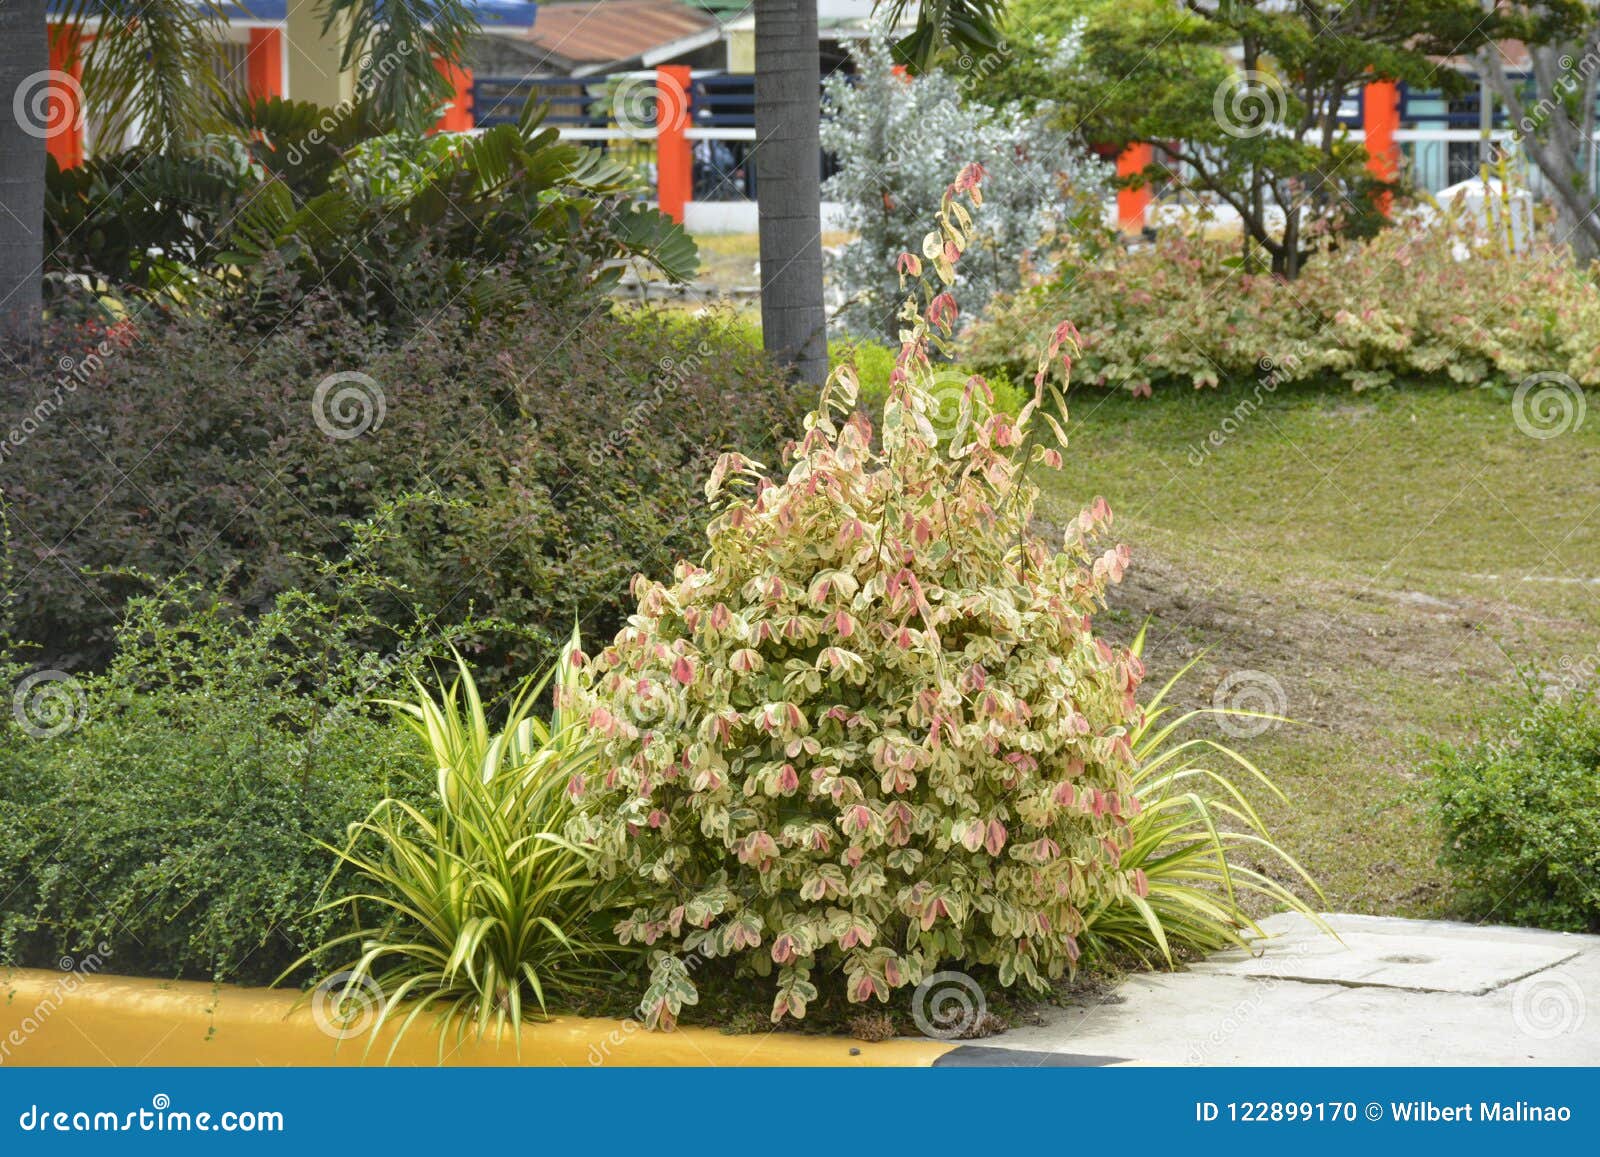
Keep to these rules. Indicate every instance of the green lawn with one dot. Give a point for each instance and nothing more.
(1370, 553)
(728, 260)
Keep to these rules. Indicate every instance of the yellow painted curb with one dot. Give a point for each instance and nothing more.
(71, 1018)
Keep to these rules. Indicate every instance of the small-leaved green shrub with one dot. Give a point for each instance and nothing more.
(872, 730)
(171, 807)
(563, 449)
(1519, 811)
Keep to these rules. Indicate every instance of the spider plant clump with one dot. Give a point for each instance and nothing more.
(1194, 839)
(485, 908)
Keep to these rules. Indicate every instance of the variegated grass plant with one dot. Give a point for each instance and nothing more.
(486, 908)
(1194, 831)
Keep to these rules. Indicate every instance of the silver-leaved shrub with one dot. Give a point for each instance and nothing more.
(873, 729)
(897, 140)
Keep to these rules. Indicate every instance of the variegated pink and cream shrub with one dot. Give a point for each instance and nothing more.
(872, 731)
(1424, 300)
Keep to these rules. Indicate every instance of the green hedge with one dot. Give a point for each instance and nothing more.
(1417, 301)
(564, 452)
(172, 807)
(1520, 812)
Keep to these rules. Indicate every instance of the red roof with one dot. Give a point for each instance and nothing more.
(600, 31)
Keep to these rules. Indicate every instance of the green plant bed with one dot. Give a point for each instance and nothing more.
(865, 744)
(166, 814)
(1520, 813)
(1422, 299)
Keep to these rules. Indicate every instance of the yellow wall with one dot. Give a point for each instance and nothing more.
(742, 50)
(313, 55)
(68, 1018)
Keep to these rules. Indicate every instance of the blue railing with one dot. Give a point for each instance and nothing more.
(574, 101)
(723, 101)
(716, 100)
(1463, 114)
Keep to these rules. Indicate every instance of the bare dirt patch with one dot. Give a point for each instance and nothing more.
(1370, 675)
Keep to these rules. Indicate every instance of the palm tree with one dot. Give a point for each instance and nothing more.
(789, 186)
(152, 63)
(22, 46)
(788, 157)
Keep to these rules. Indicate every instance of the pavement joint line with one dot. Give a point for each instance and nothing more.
(1360, 983)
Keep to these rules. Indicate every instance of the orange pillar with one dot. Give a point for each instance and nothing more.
(458, 117)
(1380, 118)
(1133, 204)
(674, 162)
(263, 63)
(64, 107)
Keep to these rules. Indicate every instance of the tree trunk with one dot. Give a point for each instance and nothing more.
(788, 159)
(1551, 140)
(1291, 241)
(24, 58)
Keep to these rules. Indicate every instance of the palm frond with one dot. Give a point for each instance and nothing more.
(392, 48)
(965, 26)
(151, 64)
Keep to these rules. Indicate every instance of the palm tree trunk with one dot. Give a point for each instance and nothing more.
(24, 54)
(788, 158)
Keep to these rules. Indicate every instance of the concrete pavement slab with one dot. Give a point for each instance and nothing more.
(1388, 992)
(1422, 963)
